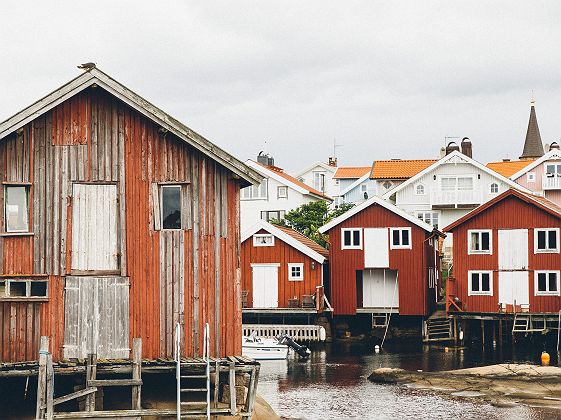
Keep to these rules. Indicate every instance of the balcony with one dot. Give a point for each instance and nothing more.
(551, 182)
(460, 199)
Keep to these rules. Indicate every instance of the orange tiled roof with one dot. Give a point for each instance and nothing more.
(305, 240)
(280, 172)
(351, 171)
(398, 168)
(509, 168)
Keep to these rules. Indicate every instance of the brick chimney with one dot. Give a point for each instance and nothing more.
(332, 161)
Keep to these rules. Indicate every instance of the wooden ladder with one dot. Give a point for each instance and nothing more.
(521, 324)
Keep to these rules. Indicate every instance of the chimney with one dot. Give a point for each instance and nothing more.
(265, 159)
(506, 160)
(466, 147)
(451, 147)
(553, 146)
(332, 161)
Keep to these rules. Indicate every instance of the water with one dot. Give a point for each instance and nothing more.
(333, 384)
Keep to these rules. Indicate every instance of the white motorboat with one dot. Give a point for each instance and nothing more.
(263, 348)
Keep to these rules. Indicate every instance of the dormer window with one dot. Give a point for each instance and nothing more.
(263, 239)
(419, 189)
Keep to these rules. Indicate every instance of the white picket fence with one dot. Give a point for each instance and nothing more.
(296, 332)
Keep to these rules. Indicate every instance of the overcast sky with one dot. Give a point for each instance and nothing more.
(385, 79)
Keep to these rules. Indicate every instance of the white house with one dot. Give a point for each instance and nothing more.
(277, 194)
(448, 189)
(319, 176)
(353, 182)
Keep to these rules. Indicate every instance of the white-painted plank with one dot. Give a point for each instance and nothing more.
(376, 248)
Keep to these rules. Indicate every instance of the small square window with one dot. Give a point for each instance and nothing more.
(479, 242)
(263, 240)
(16, 211)
(546, 283)
(400, 238)
(296, 271)
(38, 289)
(480, 283)
(282, 192)
(546, 240)
(531, 177)
(18, 288)
(170, 203)
(351, 239)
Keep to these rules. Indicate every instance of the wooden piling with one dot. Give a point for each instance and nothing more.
(41, 377)
(483, 334)
(136, 372)
(50, 387)
(91, 373)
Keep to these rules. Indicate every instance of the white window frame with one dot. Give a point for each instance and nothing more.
(491, 188)
(417, 189)
(353, 246)
(480, 292)
(432, 214)
(482, 252)
(162, 187)
(547, 250)
(295, 265)
(259, 235)
(363, 187)
(392, 246)
(27, 188)
(257, 188)
(456, 185)
(556, 165)
(282, 188)
(531, 177)
(319, 180)
(547, 292)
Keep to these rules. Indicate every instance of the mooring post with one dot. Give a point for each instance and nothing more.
(136, 372)
(50, 387)
(500, 330)
(483, 334)
(41, 377)
(91, 373)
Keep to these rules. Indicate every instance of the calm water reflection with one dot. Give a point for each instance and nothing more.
(334, 384)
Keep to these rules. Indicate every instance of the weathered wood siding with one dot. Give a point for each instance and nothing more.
(283, 254)
(411, 264)
(191, 276)
(510, 213)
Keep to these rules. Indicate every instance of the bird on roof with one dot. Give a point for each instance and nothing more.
(87, 66)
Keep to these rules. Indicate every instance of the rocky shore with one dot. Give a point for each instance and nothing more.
(501, 385)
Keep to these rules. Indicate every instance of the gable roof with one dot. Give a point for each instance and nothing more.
(383, 203)
(351, 171)
(96, 77)
(538, 201)
(279, 175)
(291, 237)
(552, 154)
(533, 146)
(355, 184)
(315, 165)
(454, 155)
(398, 168)
(509, 167)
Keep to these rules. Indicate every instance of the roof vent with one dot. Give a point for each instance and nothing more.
(554, 146)
(466, 147)
(506, 160)
(452, 147)
(265, 159)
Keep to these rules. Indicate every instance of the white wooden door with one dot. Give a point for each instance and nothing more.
(96, 317)
(380, 289)
(514, 287)
(513, 249)
(376, 248)
(265, 286)
(94, 228)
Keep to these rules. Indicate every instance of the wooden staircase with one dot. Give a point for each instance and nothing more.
(526, 323)
(437, 328)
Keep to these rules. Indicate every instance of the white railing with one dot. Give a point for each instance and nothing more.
(455, 197)
(296, 332)
(551, 182)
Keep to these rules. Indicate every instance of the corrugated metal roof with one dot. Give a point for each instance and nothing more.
(398, 168)
(351, 171)
(509, 168)
(305, 240)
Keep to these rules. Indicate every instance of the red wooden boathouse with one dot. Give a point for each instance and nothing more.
(118, 221)
(382, 260)
(506, 256)
(282, 270)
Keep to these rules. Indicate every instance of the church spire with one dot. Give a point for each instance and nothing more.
(533, 146)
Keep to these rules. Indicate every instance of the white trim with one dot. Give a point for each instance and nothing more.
(480, 293)
(392, 246)
(482, 252)
(531, 175)
(262, 224)
(264, 265)
(549, 155)
(96, 77)
(547, 292)
(453, 155)
(6, 218)
(299, 265)
(264, 235)
(355, 184)
(383, 203)
(545, 251)
(417, 185)
(278, 191)
(325, 166)
(491, 188)
(343, 230)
